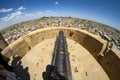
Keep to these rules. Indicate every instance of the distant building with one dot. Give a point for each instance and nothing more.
(17, 36)
(119, 40)
(106, 37)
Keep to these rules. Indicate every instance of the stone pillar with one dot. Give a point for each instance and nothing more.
(3, 43)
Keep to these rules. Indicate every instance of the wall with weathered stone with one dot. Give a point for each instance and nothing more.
(3, 43)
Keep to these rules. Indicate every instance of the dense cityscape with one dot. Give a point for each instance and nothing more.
(16, 31)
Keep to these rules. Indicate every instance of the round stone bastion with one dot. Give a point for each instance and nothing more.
(91, 57)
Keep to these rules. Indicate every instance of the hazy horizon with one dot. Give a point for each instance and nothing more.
(102, 11)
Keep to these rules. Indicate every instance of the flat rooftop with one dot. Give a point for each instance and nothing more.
(84, 66)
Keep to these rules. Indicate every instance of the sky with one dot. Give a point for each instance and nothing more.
(103, 11)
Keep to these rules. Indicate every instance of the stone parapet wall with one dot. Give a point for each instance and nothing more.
(109, 59)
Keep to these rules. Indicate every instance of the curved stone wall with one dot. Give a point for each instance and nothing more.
(106, 55)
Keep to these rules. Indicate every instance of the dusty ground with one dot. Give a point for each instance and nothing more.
(83, 64)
